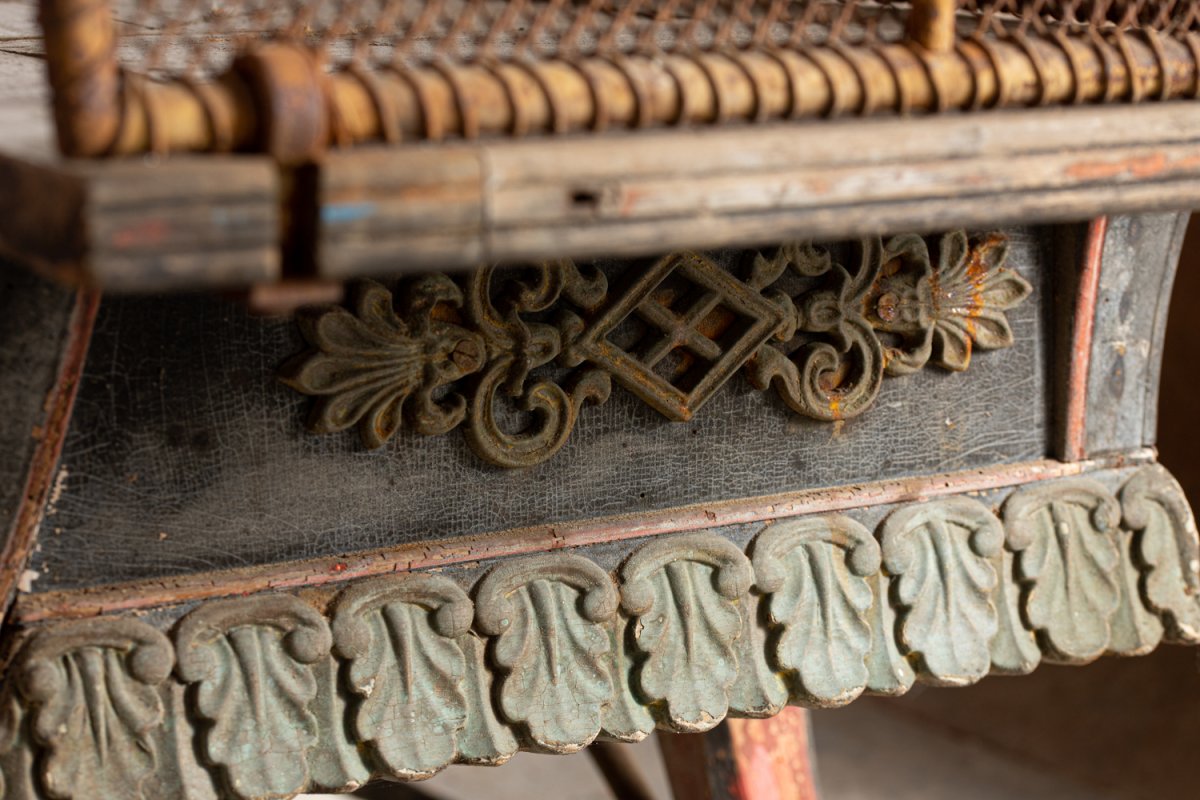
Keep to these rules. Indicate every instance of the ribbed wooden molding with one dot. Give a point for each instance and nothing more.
(400, 675)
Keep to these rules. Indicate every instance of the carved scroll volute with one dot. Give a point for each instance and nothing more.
(814, 575)
(939, 555)
(1154, 506)
(838, 370)
(250, 661)
(399, 635)
(1065, 537)
(549, 618)
(516, 347)
(94, 685)
(685, 597)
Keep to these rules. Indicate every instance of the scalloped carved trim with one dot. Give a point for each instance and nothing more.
(411, 674)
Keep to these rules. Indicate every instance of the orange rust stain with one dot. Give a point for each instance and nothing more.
(341, 566)
(149, 231)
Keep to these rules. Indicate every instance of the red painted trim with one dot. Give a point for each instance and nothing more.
(59, 401)
(1075, 444)
(172, 590)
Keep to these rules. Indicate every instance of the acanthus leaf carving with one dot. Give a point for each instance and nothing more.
(94, 687)
(939, 555)
(517, 353)
(250, 661)
(685, 598)
(548, 617)
(814, 572)
(400, 636)
(1065, 537)
(1168, 549)
(485, 739)
(1014, 648)
(16, 752)
(625, 718)
(888, 672)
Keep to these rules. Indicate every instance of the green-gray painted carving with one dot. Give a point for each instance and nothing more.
(400, 635)
(813, 572)
(888, 672)
(94, 687)
(485, 740)
(250, 661)
(549, 617)
(683, 597)
(1168, 547)
(625, 718)
(759, 690)
(939, 556)
(1014, 648)
(336, 765)
(1064, 534)
(263, 705)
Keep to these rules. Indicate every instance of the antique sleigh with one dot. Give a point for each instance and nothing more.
(478, 376)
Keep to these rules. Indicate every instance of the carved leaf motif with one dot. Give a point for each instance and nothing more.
(485, 739)
(686, 596)
(376, 368)
(1014, 647)
(250, 660)
(400, 636)
(336, 763)
(888, 673)
(1065, 537)
(813, 572)
(549, 616)
(94, 686)
(1155, 507)
(16, 754)
(939, 554)
(625, 718)
(759, 690)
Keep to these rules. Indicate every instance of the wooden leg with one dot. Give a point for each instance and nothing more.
(743, 759)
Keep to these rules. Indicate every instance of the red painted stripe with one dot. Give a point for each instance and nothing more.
(1075, 444)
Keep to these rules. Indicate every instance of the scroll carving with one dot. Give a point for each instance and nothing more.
(1166, 541)
(94, 687)
(549, 616)
(250, 661)
(939, 554)
(268, 700)
(814, 574)
(1064, 535)
(400, 635)
(514, 355)
(685, 598)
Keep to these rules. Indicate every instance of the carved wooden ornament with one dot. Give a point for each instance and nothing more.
(411, 674)
(546, 340)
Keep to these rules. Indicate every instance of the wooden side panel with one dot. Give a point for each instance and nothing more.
(1138, 268)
